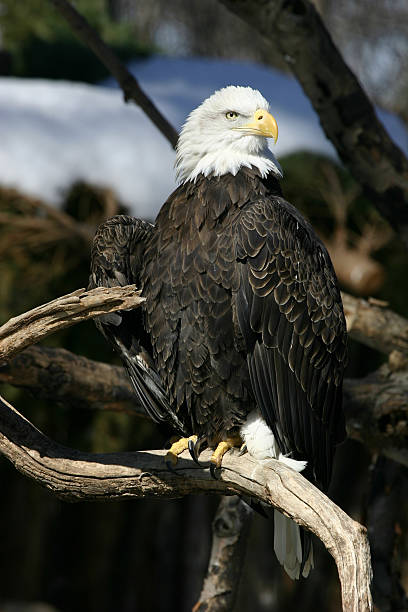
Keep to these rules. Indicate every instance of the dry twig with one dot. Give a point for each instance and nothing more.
(128, 83)
(59, 376)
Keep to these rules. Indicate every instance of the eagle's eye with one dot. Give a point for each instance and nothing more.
(231, 115)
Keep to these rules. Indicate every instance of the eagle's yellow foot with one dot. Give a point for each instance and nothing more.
(222, 448)
(176, 449)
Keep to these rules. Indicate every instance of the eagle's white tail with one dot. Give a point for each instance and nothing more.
(288, 547)
(261, 444)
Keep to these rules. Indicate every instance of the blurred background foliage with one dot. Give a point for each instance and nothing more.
(37, 43)
(149, 555)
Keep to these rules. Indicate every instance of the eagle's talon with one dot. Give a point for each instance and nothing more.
(192, 449)
(195, 448)
(214, 467)
(243, 450)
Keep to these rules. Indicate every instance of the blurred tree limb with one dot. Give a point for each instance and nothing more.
(57, 375)
(78, 476)
(127, 82)
(372, 324)
(346, 114)
(229, 534)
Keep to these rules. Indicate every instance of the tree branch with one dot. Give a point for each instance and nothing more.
(375, 326)
(78, 476)
(230, 530)
(376, 410)
(59, 376)
(128, 83)
(386, 524)
(34, 325)
(346, 114)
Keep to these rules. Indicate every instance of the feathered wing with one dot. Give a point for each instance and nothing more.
(116, 260)
(290, 314)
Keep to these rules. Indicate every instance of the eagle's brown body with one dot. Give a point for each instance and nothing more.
(242, 311)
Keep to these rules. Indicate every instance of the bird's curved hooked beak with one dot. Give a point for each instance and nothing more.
(262, 124)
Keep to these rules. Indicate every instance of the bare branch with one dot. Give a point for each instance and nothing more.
(230, 529)
(347, 116)
(59, 376)
(128, 83)
(75, 476)
(387, 527)
(375, 326)
(376, 410)
(36, 324)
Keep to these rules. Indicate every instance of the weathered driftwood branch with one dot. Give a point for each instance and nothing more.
(376, 406)
(128, 83)
(377, 412)
(76, 476)
(347, 116)
(229, 534)
(34, 325)
(375, 326)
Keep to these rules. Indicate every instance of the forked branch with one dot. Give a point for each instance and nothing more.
(78, 476)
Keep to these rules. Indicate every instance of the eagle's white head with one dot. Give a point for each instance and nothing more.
(227, 131)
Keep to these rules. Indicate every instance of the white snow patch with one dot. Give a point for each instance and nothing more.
(55, 132)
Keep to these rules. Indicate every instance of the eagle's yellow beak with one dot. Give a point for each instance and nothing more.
(262, 124)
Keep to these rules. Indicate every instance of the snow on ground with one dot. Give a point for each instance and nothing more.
(55, 132)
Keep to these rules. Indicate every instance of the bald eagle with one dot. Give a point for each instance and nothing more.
(242, 338)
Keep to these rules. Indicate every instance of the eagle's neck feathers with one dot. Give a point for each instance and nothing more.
(194, 158)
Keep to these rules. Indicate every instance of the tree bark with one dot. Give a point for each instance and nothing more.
(375, 326)
(386, 523)
(376, 410)
(230, 531)
(78, 476)
(346, 114)
(59, 376)
(80, 305)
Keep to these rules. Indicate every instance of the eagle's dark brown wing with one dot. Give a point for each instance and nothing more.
(116, 260)
(290, 313)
